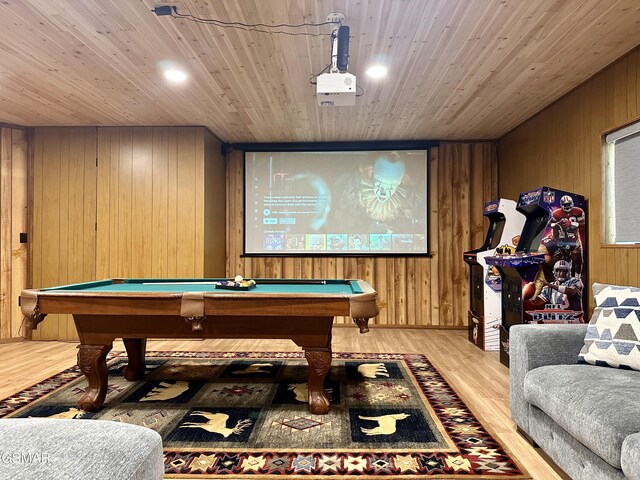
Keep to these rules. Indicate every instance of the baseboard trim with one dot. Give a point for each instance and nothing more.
(419, 327)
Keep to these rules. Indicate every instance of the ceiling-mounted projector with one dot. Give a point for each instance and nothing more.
(336, 89)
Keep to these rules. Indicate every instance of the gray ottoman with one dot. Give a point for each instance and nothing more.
(42, 448)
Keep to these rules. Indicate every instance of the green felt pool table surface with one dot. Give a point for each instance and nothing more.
(182, 285)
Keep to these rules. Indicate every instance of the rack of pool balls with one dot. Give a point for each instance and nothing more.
(238, 283)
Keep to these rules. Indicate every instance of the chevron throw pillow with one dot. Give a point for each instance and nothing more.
(613, 334)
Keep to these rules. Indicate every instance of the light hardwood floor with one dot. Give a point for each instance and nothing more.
(477, 376)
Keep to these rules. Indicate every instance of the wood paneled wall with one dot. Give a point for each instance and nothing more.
(154, 206)
(413, 291)
(13, 221)
(215, 212)
(562, 147)
(151, 202)
(124, 202)
(63, 229)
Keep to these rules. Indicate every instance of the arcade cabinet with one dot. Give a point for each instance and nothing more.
(543, 281)
(485, 293)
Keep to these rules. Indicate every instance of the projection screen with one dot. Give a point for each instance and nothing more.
(336, 203)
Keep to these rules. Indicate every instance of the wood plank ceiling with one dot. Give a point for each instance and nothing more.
(459, 69)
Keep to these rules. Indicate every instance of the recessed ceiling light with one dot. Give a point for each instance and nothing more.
(377, 71)
(175, 75)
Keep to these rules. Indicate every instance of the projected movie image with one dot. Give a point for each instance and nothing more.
(333, 203)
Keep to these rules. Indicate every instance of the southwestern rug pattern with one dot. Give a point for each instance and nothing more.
(242, 414)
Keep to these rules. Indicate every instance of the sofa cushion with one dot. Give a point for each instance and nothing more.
(613, 334)
(598, 406)
(62, 449)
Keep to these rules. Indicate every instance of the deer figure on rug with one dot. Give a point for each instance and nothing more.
(386, 423)
(217, 423)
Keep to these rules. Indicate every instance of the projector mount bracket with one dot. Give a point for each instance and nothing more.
(336, 18)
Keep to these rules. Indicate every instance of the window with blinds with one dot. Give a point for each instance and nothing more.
(622, 185)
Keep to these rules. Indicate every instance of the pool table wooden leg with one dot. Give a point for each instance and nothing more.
(319, 365)
(362, 323)
(136, 348)
(92, 361)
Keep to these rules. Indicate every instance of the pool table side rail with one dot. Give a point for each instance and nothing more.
(81, 286)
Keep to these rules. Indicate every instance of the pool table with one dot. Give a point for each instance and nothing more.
(137, 309)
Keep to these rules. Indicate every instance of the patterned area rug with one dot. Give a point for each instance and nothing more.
(245, 414)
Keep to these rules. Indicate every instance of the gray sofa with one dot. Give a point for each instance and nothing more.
(51, 449)
(585, 417)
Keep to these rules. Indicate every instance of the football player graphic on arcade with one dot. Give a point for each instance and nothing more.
(565, 291)
(564, 242)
